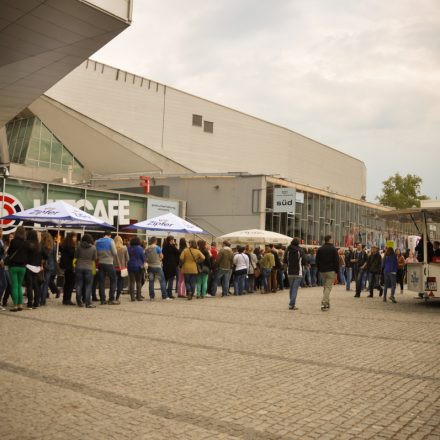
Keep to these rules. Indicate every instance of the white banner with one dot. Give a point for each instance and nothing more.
(156, 207)
(284, 200)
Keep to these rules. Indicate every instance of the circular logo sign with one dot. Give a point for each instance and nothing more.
(10, 206)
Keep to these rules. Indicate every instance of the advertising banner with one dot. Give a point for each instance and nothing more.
(156, 207)
(284, 200)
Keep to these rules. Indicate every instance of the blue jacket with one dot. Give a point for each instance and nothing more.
(390, 264)
(136, 258)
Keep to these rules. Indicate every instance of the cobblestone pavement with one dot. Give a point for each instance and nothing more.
(223, 368)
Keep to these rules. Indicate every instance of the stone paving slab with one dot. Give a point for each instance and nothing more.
(221, 368)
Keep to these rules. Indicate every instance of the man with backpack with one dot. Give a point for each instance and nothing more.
(293, 259)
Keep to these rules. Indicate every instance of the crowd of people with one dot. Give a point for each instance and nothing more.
(96, 270)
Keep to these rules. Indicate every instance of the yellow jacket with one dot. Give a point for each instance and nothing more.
(188, 258)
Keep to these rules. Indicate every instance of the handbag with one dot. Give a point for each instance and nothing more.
(201, 268)
(123, 270)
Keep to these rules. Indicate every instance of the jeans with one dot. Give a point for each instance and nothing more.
(223, 275)
(295, 282)
(239, 281)
(170, 284)
(266, 279)
(119, 284)
(400, 275)
(313, 275)
(375, 283)
(153, 273)
(306, 276)
(361, 274)
(390, 282)
(190, 283)
(341, 275)
(328, 279)
(48, 278)
(69, 284)
(349, 272)
(84, 280)
(107, 269)
(33, 289)
(3, 283)
(134, 278)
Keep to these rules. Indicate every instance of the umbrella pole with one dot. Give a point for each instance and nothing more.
(58, 240)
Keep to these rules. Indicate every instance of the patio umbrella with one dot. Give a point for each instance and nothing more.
(59, 213)
(168, 222)
(256, 236)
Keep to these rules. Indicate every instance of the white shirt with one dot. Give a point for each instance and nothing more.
(241, 261)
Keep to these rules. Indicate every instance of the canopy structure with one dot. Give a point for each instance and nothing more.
(256, 236)
(412, 215)
(168, 222)
(60, 214)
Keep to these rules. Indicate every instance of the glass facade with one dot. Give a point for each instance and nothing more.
(348, 223)
(31, 143)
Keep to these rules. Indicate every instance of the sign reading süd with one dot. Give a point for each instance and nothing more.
(284, 200)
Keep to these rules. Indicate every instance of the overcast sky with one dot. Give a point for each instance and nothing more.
(361, 76)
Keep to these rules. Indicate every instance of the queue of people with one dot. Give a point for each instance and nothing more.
(193, 269)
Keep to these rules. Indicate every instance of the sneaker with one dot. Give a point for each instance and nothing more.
(114, 303)
(209, 296)
(167, 299)
(14, 309)
(2, 308)
(293, 308)
(324, 307)
(80, 304)
(393, 300)
(151, 299)
(103, 303)
(90, 306)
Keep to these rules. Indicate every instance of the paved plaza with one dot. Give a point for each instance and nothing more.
(223, 368)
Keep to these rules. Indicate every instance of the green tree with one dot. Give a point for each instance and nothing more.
(402, 192)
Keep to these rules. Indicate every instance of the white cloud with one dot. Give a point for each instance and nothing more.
(360, 76)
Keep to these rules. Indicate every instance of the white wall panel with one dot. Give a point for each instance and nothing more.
(161, 118)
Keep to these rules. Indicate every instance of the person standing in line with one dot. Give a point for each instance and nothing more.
(293, 260)
(189, 259)
(224, 269)
(3, 282)
(390, 267)
(154, 256)
(170, 263)
(374, 267)
(106, 249)
(86, 255)
(253, 261)
(181, 289)
(275, 269)
(267, 263)
(327, 260)
(135, 265)
(305, 261)
(313, 268)
(17, 255)
(360, 269)
(49, 251)
(214, 255)
(202, 276)
(400, 276)
(341, 272)
(241, 264)
(67, 252)
(120, 261)
(349, 262)
(33, 280)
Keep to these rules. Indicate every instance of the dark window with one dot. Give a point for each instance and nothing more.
(197, 120)
(208, 127)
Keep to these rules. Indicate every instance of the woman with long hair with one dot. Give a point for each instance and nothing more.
(17, 256)
(49, 250)
(85, 255)
(170, 263)
(202, 276)
(341, 273)
(390, 267)
(120, 262)
(189, 259)
(181, 288)
(400, 269)
(34, 271)
(67, 251)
